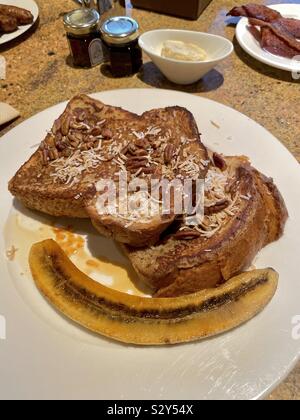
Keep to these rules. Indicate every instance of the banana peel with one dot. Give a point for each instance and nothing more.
(147, 321)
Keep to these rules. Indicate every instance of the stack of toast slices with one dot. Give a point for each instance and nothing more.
(92, 143)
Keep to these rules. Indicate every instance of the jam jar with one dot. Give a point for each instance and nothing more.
(84, 37)
(120, 45)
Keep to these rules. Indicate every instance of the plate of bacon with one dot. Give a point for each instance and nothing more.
(16, 17)
(270, 34)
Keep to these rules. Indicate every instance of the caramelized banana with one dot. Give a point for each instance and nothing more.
(156, 321)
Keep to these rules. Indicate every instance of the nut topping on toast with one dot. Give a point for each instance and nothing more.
(65, 125)
(107, 133)
(92, 141)
(169, 153)
(219, 162)
(244, 212)
(217, 207)
(187, 234)
(174, 253)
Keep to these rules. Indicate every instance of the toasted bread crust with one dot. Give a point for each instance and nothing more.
(54, 200)
(174, 267)
(33, 185)
(37, 186)
(137, 233)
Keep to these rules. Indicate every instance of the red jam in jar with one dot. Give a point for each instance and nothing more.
(120, 45)
(84, 37)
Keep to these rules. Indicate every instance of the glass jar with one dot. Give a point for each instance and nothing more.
(82, 27)
(120, 45)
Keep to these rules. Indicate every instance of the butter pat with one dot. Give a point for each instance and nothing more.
(7, 113)
(178, 50)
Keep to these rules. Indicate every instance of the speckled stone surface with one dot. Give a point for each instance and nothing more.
(38, 76)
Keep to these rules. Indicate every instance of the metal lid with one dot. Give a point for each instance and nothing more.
(120, 30)
(81, 21)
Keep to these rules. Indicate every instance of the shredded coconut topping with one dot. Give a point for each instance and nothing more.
(215, 191)
(68, 170)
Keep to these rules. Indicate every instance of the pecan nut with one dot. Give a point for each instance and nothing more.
(125, 150)
(169, 153)
(53, 154)
(219, 162)
(61, 145)
(45, 154)
(132, 149)
(142, 143)
(136, 165)
(56, 126)
(141, 152)
(137, 159)
(51, 141)
(75, 137)
(216, 208)
(185, 235)
(156, 144)
(88, 139)
(42, 146)
(148, 171)
(58, 137)
(65, 125)
(96, 131)
(107, 133)
(97, 108)
(67, 152)
(81, 114)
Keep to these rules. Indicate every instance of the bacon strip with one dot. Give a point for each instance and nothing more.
(277, 29)
(278, 35)
(257, 11)
(291, 25)
(267, 15)
(273, 44)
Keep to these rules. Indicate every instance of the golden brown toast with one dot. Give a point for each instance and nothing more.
(39, 185)
(172, 151)
(92, 141)
(244, 212)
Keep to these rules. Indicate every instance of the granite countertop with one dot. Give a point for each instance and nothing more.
(39, 76)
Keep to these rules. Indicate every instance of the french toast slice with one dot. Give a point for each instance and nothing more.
(91, 142)
(52, 180)
(244, 212)
(167, 148)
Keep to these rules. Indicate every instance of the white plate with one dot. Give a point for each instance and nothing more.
(252, 47)
(25, 4)
(46, 356)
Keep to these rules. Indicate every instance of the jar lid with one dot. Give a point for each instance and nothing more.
(120, 30)
(81, 21)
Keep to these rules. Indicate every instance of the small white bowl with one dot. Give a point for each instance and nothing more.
(185, 72)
